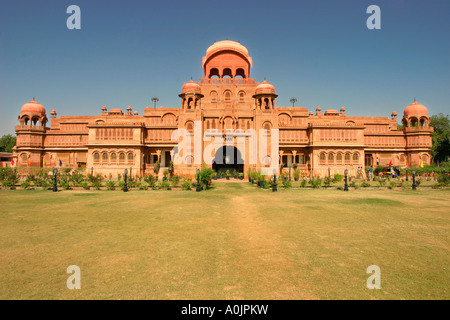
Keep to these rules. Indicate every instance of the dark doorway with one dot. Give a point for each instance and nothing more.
(228, 158)
(368, 160)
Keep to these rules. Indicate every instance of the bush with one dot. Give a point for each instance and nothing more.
(365, 184)
(267, 185)
(327, 181)
(353, 185)
(286, 183)
(381, 181)
(392, 184)
(150, 180)
(174, 181)
(206, 175)
(315, 183)
(110, 185)
(186, 185)
(337, 177)
(25, 184)
(296, 174)
(303, 183)
(84, 185)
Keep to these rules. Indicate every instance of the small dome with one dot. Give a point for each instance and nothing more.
(311, 113)
(191, 87)
(318, 109)
(342, 109)
(33, 107)
(265, 88)
(104, 108)
(129, 108)
(415, 108)
(136, 112)
(393, 114)
(53, 113)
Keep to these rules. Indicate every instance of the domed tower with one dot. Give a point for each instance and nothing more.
(417, 130)
(265, 95)
(30, 134)
(227, 58)
(415, 115)
(33, 114)
(191, 93)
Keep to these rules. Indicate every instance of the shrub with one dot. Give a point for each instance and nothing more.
(353, 185)
(25, 184)
(150, 180)
(174, 180)
(267, 185)
(206, 176)
(303, 183)
(84, 185)
(381, 181)
(286, 183)
(315, 183)
(337, 177)
(110, 185)
(296, 174)
(365, 184)
(392, 184)
(327, 181)
(186, 185)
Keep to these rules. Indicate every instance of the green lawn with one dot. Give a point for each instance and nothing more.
(234, 241)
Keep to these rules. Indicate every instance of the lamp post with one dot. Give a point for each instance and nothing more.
(130, 173)
(155, 100)
(346, 185)
(329, 173)
(274, 185)
(125, 186)
(198, 181)
(293, 101)
(290, 172)
(414, 187)
(406, 172)
(92, 171)
(55, 175)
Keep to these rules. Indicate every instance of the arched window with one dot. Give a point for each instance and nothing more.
(113, 156)
(96, 156)
(227, 73)
(355, 157)
(104, 156)
(214, 72)
(240, 73)
(339, 157)
(347, 157)
(213, 96)
(322, 156)
(330, 157)
(130, 157)
(241, 96)
(122, 156)
(228, 96)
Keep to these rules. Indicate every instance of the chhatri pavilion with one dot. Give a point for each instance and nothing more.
(226, 98)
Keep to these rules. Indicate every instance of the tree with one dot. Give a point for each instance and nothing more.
(7, 142)
(441, 137)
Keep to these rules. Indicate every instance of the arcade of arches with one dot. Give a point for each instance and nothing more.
(226, 98)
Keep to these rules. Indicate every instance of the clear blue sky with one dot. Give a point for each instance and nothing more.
(319, 51)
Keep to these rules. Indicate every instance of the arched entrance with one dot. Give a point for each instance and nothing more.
(228, 158)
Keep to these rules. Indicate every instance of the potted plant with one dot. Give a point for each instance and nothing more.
(156, 167)
(165, 174)
(296, 174)
(228, 174)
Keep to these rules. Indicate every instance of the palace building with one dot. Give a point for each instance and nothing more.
(226, 98)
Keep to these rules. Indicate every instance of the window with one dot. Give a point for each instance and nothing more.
(355, 157)
(347, 157)
(122, 156)
(339, 157)
(104, 156)
(96, 156)
(113, 156)
(130, 157)
(331, 157)
(322, 157)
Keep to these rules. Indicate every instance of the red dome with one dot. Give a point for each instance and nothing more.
(415, 108)
(191, 87)
(265, 88)
(33, 107)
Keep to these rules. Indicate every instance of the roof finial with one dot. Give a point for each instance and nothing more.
(414, 99)
(33, 98)
(191, 78)
(227, 38)
(264, 78)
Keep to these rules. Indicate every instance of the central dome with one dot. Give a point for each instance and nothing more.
(227, 45)
(265, 88)
(415, 108)
(191, 87)
(33, 107)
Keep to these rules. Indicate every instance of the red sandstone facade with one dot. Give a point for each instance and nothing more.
(226, 98)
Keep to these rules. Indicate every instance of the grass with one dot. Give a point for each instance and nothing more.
(232, 242)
